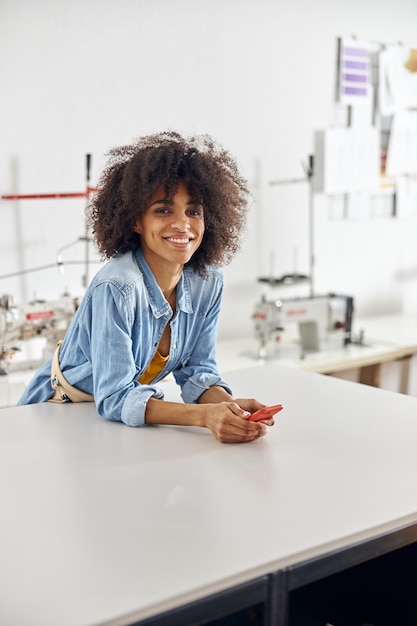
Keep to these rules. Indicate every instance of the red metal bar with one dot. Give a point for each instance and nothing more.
(35, 196)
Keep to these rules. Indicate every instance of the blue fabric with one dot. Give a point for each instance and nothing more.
(116, 331)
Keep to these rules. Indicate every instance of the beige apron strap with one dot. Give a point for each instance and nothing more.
(64, 392)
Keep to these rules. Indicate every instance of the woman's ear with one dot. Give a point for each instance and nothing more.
(137, 226)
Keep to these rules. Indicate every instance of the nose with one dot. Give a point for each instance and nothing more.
(180, 223)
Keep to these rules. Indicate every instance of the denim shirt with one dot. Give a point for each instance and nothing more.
(117, 329)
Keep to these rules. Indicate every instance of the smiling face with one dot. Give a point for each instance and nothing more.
(171, 229)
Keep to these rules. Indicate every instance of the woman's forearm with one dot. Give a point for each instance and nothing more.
(217, 410)
(174, 413)
(215, 395)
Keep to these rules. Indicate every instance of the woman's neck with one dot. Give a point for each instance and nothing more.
(168, 281)
(167, 275)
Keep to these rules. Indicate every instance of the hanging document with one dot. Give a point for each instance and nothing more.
(354, 71)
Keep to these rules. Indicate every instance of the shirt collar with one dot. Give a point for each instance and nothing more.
(158, 303)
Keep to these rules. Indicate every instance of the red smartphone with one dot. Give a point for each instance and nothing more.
(265, 413)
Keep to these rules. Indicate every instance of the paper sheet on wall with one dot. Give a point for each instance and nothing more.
(354, 71)
(356, 207)
(405, 197)
(347, 160)
(397, 79)
(402, 144)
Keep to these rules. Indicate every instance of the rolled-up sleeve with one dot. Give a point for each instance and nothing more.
(200, 382)
(134, 406)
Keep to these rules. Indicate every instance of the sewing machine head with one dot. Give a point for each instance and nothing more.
(20, 324)
(321, 322)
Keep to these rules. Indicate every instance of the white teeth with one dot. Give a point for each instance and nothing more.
(182, 240)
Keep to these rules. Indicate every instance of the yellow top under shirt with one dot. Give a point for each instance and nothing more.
(155, 366)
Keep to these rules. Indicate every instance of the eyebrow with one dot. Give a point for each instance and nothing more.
(161, 201)
(171, 202)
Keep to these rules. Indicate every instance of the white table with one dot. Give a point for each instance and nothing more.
(108, 525)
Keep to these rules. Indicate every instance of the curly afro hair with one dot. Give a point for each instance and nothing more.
(133, 174)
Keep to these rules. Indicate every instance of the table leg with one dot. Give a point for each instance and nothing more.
(405, 374)
(370, 375)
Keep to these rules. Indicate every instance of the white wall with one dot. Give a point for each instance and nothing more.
(80, 76)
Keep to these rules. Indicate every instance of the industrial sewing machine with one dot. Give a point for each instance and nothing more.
(20, 324)
(321, 322)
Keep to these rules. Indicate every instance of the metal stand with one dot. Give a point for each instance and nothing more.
(309, 175)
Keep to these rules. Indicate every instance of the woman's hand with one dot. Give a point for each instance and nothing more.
(226, 417)
(252, 405)
(228, 421)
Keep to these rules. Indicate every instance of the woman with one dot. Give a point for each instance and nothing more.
(168, 212)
